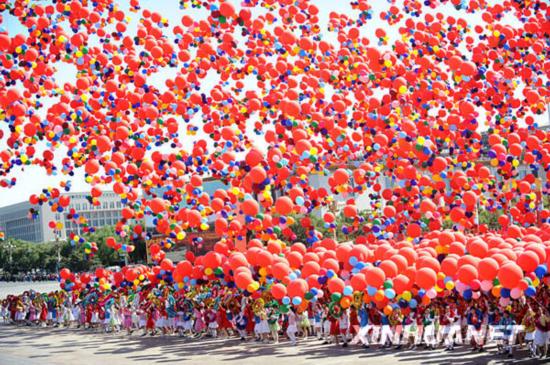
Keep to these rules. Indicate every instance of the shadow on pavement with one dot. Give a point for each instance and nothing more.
(169, 349)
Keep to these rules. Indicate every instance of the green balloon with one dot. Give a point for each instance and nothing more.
(308, 296)
(388, 284)
(284, 309)
(335, 297)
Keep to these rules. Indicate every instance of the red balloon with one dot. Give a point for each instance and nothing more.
(92, 167)
(414, 230)
(65, 273)
(336, 285)
(131, 275)
(401, 283)
(297, 288)
(183, 269)
(157, 205)
(466, 274)
(449, 266)
(375, 277)
(341, 177)
(258, 174)
(310, 268)
(278, 291)
(389, 211)
(284, 205)
(426, 278)
(358, 282)
(528, 261)
(478, 248)
(250, 207)
(280, 270)
(212, 260)
(167, 265)
(389, 267)
(509, 275)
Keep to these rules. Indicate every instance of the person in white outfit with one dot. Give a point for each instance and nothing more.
(292, 326)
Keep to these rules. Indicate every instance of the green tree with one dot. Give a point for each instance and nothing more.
(105, 256)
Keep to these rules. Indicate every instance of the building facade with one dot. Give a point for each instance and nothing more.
(15, 220)
(108, 213)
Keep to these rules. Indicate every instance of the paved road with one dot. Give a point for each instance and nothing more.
(21, 286)
(34, 346)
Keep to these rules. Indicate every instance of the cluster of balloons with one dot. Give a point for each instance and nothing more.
(90, 248)
(265, 102)
(387, 273)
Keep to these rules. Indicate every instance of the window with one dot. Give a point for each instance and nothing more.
(112, 205)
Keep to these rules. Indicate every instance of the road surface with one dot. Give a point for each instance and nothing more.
(34, 346)
(19, 287)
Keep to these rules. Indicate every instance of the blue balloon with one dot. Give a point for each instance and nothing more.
(505, 293)
(330, 273)
(531, 291)
(286, 300)
(371, 290)
(540, 271)
(296, 300)
(413, 303)
(292, 276)
(348, 290)
(467, 294)
(389, 293)
(353, 261)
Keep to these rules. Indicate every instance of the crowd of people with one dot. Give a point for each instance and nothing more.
(8, 277)
(221, 312)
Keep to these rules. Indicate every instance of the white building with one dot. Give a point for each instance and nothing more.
(15, 220)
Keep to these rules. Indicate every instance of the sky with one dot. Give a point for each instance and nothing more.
(32, 179)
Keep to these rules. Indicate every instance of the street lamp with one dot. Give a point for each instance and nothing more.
(58, 251)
